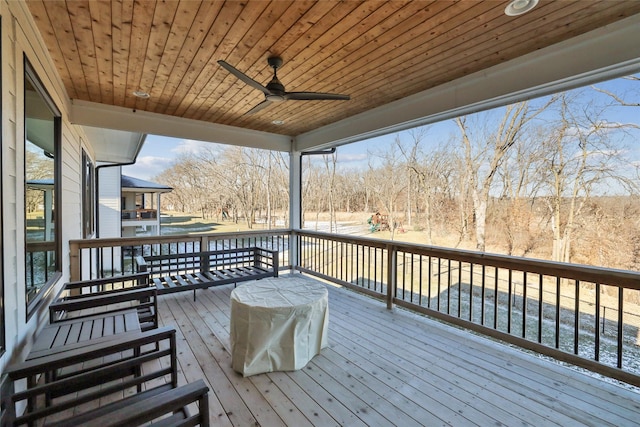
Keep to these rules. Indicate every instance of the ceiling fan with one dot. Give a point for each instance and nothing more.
(274, 90)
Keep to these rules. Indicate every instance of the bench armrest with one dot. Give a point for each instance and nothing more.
(7, 414)
(107, 283)
(171, 401)
(144, 296)
(141, 263)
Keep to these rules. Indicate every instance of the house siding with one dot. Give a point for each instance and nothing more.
(110, 200)
(20, 39)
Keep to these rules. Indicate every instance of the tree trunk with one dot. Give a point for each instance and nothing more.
(480, 211)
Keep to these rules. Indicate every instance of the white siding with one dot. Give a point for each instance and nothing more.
(20, 40)
(109, 202)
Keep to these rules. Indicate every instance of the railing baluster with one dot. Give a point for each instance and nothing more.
(429, 283)
(459, 288)
(439, 280)
(557, 312)
(510, 303)
(496, 301)
(540, 306)
(404, 274)
(369, 267)
(576, 321)
(375, 269)
(471, 291)
(524, 304)
(482, 295)
(596, 350)
(420, 279)
(620, 326)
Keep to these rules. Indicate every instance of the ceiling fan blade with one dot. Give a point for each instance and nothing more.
(242, 76)
(313, 96)
(258, 107)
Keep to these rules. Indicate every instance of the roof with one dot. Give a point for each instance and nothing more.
(129, 182)
(114, 146)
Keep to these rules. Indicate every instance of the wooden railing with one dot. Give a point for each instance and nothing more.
(97, 258)
(587, 316)
(139, 214)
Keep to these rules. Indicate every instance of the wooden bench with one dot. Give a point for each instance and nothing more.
(108, 295)
(6, 414)
(119, 383)
(199, 270)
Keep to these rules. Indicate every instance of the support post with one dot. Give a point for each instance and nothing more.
(392, 258)
(295, 205)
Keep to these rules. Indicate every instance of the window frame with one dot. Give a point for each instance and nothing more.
(88, 196)
(33, 78)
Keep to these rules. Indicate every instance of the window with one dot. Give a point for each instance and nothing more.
(88, 196)
(42, 182)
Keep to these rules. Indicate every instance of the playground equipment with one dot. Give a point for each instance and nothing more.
(378, 222)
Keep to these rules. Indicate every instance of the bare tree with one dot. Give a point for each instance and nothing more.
(330, 169)
(621, 99)
(485, 150)
(429, 182)
(582, 158)
(517, 222)
(387, 183)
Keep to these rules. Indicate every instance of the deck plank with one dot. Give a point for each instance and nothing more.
(486, 363)
(388, 367)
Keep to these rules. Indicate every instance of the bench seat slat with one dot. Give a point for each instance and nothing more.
(182, 281)
(169, 282)
(218, 274)
(196, 270)
(191, 280)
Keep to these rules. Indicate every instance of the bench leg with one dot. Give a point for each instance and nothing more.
(194, 295)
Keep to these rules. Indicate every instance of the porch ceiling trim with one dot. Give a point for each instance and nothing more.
(608, 52)
(87, 113)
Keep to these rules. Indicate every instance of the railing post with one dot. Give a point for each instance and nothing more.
(204, 243)
(74, 262)
(392, 258)
(276, 263)
(294, 258)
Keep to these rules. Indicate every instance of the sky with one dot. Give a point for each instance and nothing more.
(159, 152)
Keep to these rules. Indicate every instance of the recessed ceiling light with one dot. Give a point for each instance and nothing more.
(141, 94)
(278, 122)
(518, 7)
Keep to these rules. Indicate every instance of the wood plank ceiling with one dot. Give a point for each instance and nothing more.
(375, 51)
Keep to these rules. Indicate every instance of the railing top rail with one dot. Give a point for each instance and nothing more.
(345, 238)
(587, 273)
(125, 241)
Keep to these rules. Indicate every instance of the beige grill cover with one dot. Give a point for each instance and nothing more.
(277, 325)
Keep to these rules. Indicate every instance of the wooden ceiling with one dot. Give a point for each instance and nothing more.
(375, 51)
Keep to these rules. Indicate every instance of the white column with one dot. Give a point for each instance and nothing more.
(157, 214)
(295, 200)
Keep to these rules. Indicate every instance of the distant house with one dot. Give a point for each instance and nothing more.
(129, 209)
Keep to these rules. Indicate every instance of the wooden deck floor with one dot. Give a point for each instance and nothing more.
(385, 368)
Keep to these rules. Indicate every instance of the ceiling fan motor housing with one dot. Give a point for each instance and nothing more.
(277, 90)
(275, 61)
